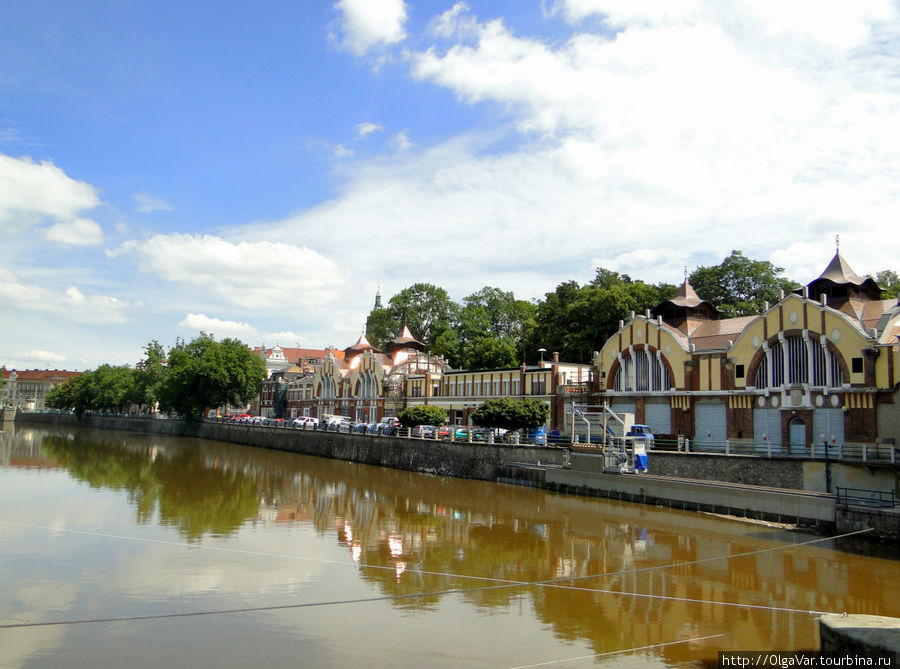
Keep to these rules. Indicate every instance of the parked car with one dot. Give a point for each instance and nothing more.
(444, 432)
(426, 431)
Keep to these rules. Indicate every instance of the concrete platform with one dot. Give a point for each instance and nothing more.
(860, 634)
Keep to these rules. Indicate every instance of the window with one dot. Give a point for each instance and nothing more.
(857, 365)
(739, 371)
(795, 360)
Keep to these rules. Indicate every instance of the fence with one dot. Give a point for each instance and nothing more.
(871, 498)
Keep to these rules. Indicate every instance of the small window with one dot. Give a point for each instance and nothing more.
(739, 371)
(857, 366)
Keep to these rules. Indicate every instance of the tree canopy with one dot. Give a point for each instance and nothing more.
(739, 286)
(203, 374)
(511, 413)
(422, 414)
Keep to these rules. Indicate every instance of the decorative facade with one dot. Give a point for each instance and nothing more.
(817, 367)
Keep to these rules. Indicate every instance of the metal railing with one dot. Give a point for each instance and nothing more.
(872, 498)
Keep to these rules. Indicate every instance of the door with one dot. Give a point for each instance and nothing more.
(828, 426)
(797, 432)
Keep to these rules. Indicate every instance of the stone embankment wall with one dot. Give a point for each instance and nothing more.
(463, 460)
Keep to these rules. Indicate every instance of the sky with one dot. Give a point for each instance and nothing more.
(259, 170)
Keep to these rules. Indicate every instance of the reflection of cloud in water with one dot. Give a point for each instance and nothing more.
(33, 601)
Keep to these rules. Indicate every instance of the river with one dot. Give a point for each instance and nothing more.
(129, 550)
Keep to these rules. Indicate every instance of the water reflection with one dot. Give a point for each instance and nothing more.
(610, 576)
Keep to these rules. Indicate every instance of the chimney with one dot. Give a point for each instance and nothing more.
(555, 356)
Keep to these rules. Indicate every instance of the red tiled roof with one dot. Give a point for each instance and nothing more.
(40, 374)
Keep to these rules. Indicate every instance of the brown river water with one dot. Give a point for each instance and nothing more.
(125, 550)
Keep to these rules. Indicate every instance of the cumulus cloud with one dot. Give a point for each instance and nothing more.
(69, 306)
(32, 193)
(368, 23)
(145, 203)
(78, 232)
(251, 274)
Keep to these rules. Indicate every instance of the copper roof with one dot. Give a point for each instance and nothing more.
(685, 296)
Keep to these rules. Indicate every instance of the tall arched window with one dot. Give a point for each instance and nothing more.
(641, 371)
(799, 360)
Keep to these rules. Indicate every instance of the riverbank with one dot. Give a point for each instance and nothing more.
(550, 467)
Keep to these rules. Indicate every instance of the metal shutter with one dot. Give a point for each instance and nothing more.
(659, 417)
(767, 423)
(828, 422)
(710, 432)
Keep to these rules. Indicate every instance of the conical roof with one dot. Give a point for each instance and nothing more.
(838, 271)
(362, 344)
(685, 296)
(405, 340)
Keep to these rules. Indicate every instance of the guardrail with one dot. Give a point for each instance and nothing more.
(871, 498)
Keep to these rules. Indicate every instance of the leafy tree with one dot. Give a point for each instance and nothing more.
(890, 282)
(149, 375)
(422, 414)
(381, 327)
(739, 286)
(511, 414)
(490, 353)
(204, 373)
(425, 308)
(574, 320)
(107, 388)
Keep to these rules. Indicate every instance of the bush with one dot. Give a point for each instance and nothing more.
(423, 414)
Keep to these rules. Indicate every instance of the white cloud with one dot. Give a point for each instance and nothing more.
(400, 141)
(69, 306)
(146, 203)
(363, 129)
(341, 151)
(78, 232)
(38, 356)
(31, 193)
(367, 23)
(247, 333)
(455, 22)
(251, 274)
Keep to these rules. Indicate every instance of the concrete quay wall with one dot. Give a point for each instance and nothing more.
(463, 460)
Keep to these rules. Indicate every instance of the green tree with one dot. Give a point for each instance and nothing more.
(381, 327)
(739, 285)
(149, 375)
(511, 414)
(203, 374)
(890, 282)
(490, 353)
(422, 414)
(426, 309)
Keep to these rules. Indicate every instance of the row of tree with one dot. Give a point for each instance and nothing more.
(188, 379)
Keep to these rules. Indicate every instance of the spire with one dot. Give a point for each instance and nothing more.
(685, 296)
(378, 299)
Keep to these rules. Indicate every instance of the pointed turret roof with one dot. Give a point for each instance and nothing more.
(405, 340)
(362, 344)
(685, 296)
(839, 271)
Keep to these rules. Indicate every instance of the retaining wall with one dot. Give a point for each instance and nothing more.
(463, 460)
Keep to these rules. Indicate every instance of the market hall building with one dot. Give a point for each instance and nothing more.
(821, 365)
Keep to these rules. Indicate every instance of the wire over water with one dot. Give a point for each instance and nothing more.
(560, 582)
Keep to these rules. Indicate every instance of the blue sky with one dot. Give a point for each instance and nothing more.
(257, 171)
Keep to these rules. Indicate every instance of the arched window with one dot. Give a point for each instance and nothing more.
(799, 360)
(326, 390)
(641, 371)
